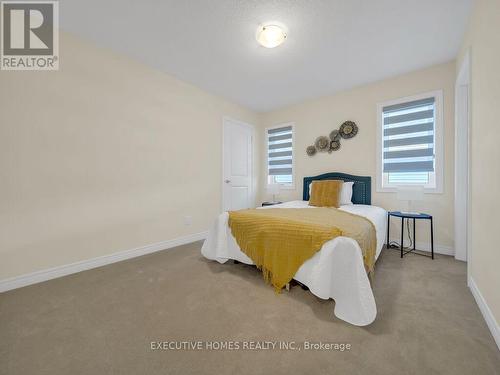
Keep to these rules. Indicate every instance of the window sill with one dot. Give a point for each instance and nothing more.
(287, 187)
(395, 190)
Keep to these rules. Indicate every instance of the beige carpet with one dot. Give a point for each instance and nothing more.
(102, 321)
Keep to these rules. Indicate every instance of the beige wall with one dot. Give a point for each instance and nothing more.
(483, 41)
(102, 156)
(358, 155)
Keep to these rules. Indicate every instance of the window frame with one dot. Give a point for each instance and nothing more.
(266, 159)
(383, 185)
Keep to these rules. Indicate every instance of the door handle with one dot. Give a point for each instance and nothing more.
(227, 181)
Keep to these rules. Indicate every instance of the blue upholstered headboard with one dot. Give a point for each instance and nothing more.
(361, 190)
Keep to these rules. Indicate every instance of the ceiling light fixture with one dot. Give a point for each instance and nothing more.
(271, 36)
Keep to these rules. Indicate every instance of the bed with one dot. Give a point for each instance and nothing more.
(336, 271)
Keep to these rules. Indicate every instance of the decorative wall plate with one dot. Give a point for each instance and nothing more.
(334, 135)
(322, 143)
(311, 150)
(334, 145)
(348, 129)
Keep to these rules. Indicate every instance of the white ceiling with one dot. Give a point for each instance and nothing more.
(331, 46)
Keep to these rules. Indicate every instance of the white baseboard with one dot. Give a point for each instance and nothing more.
(485, 310)
(426, 246)
(67, 269)
(438, 249)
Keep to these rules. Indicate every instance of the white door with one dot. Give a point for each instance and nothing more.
(237, 157)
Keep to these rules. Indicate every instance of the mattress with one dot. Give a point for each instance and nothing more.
(336, 271)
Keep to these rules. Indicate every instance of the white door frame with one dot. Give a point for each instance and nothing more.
(462, 163)
(252, 161)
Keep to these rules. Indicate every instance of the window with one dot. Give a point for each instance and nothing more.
(410, 143)
(280, 155)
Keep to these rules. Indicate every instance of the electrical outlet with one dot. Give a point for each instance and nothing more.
(188, 220)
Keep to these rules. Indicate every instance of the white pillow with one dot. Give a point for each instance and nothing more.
(345, 193)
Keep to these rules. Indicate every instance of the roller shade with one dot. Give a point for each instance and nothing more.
(408, 131)
(280, 151)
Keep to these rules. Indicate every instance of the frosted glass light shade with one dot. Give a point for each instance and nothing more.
(271, 36)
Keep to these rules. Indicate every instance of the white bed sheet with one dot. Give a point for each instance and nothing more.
(336, 271)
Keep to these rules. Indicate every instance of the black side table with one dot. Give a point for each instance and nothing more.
(270, 203)
(414, 216)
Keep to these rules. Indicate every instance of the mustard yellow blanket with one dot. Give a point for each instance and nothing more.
(280, 240)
